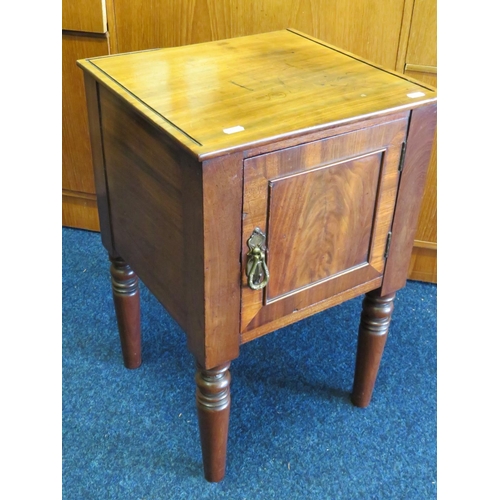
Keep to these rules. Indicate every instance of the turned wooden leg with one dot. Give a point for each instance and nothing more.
(373, 328)
(213, 401)
(128, 311)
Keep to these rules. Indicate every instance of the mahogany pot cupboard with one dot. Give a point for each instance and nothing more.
(396, 34)
(249, 183)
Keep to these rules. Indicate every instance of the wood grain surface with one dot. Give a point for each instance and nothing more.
(367, 161)
(144, 183)
(362, 27)
(267, 85)
(176, 227)
(418, 151)
(77, 174)
(422, 42)
(423, 264)
(320, 222)
(79, 211)
(84, 15)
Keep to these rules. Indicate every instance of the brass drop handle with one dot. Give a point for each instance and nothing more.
(257, 271)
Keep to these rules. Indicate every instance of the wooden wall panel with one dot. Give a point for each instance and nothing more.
(427, 222)
(422, 42)
(76, 154)
(369, 29)
(421, 64)
(80, 211)
(84, 15)
(423, 76)
(423, 265)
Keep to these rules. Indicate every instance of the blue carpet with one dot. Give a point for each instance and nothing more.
(133, 435)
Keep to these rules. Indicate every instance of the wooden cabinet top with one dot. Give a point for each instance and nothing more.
(228, 95)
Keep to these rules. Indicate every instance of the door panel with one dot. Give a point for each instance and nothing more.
(84, 15)
(326, 208)
(77, 172)
(330, 231)
(79, 206)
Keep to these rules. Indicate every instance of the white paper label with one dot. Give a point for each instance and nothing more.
(233, 130)
(412, 95)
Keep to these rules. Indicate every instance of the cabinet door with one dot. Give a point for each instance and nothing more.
(84, 15)
(326, 208)
(79, 206)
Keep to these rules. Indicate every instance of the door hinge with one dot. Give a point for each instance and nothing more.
(388, 244)
(402, 157)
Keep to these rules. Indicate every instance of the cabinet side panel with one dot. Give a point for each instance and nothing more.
(222, 212)
(94, 116)
(144, 174)
(411, 188)
(194, 265)
(212, 199)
